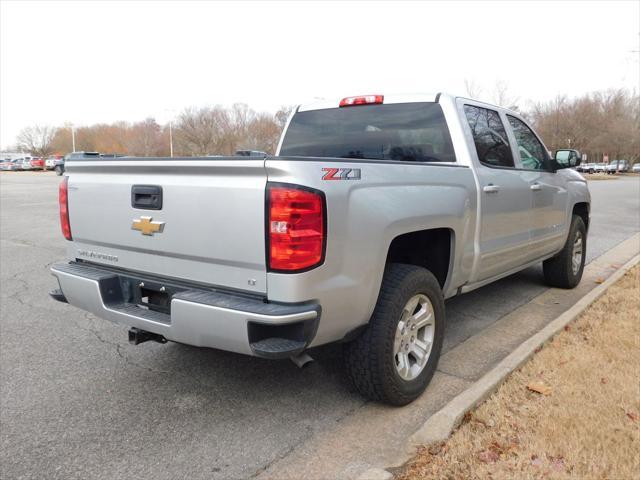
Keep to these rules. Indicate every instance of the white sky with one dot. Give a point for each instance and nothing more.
(87, 62)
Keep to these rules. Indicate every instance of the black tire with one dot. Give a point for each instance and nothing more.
(370, 358)
(558, 271)
(59, 170)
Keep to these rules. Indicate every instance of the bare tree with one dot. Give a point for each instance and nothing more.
(145, 139)
(501, 96)
(203, 131)
(600, 123)
(473, 89)
(37, 140)
(282, 115)
(263, 134)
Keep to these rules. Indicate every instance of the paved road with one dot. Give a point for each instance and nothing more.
(78, 402)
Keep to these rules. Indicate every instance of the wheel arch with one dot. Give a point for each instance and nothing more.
(582, 209)
(431, 248)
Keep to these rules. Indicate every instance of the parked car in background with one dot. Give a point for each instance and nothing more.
(37, 163)
(617, 166)
(59, 166)
(51, 161)
(600, 168)
(587, 168)
(18, 164)
(636, 168)
(8, 164)
(24, 163)
(625, 167)
(5, 164)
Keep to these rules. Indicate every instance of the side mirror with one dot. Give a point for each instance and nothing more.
(567, 158)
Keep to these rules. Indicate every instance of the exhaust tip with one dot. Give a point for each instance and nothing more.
(301, 360)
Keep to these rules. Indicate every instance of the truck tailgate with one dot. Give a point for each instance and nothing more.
(210, 227)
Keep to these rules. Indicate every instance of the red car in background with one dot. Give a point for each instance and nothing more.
(37, 163)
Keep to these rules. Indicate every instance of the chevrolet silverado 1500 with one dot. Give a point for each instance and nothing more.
(374, 210)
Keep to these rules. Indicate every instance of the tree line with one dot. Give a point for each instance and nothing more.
(212, 130)
(598, 124)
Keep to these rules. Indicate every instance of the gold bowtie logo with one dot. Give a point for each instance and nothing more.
(146, 226)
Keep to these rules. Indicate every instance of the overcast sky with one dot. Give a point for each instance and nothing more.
(87, 62)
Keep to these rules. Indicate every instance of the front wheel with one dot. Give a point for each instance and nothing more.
(59, 170)
(395, 358)
(565, 269)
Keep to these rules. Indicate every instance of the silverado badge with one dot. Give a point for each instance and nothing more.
(146, 226)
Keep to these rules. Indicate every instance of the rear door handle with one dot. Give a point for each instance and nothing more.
(491, 188)
(536, 187)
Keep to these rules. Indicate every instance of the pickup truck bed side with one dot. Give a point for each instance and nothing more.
(391, 200)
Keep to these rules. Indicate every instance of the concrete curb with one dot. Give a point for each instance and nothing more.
(440, 425)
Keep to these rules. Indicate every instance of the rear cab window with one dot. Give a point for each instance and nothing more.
(409, 132)
(489, 136)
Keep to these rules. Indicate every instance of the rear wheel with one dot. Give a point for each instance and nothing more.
(565, 269)
(395, 358)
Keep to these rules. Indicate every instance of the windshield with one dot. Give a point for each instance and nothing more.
(414, 132)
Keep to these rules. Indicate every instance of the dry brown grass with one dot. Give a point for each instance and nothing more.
(588, 427)
(599, 176)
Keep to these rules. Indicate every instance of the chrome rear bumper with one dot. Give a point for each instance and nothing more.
(199, 317)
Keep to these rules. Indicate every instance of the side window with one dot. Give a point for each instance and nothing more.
(531, 150)
(489, 136)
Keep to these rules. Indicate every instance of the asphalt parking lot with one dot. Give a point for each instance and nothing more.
(77, 401)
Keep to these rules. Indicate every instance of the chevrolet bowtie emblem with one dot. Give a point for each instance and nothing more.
(146, 226)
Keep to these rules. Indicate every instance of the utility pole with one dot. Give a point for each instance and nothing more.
(73, 138)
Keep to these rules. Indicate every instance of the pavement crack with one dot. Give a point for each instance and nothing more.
(282, 455)
(128, 360)
(119, 347)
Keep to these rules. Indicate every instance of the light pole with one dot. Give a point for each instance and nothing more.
(73, 138)
(171, 137)
(171, 112)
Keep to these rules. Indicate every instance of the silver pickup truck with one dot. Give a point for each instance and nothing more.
(374, 210)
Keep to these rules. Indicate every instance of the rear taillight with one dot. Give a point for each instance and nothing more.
(296, 227)
(63, 200)
(362, 100)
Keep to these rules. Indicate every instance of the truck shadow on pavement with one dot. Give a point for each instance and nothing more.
(242, 377)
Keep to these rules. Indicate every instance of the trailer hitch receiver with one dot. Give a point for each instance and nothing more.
(137, 336)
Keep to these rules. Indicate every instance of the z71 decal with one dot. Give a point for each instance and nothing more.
(341, 174)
